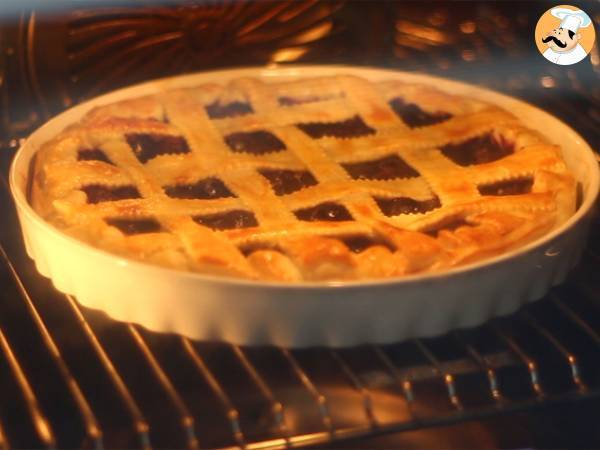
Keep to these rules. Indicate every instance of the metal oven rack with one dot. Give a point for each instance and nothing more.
(71, 377)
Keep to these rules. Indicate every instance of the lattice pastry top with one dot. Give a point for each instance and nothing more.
(332, 178)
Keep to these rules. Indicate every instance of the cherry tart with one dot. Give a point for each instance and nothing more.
(321, 179)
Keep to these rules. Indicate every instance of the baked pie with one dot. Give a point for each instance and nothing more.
(331, 178)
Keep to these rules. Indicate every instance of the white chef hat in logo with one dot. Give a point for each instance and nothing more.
(571, 19)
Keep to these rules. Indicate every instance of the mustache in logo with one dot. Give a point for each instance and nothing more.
(556, 41)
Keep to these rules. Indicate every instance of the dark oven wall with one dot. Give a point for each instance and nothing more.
(53, 58)
(72, 378)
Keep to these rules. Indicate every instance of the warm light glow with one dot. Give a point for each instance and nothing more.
(44, 429)
(313, 34)
(407, 388)
(409, 41)
(431, 35)
(468, 27)
(547, 81)
(288, 54)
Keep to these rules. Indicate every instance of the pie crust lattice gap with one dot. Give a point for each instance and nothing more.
(315, 179)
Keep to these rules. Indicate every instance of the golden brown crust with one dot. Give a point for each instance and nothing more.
(286, 248)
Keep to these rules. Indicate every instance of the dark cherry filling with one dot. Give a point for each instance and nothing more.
(135, 226)
(478, 150)
(414, 116)
(328, 211)
(93, 154)
(405, 205)
(287, 181)
(208, 188)
(216, 110)
(349, 128)
(148, 146)
(292, 101)
(509, 187)
(450, 224)
(251, 248)
(360, 243)
(227, 221)
(257, 142)
(97, 193)
(386, 168)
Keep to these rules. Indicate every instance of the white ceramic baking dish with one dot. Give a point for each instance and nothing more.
(297, 315)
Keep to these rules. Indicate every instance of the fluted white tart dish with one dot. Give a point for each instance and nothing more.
(308, 313)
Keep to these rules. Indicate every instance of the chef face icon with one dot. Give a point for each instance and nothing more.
(565, 35)
(561, 40)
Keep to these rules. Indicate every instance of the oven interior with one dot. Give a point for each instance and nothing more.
(72, 378)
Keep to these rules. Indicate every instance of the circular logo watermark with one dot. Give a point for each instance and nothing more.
(565, 35)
